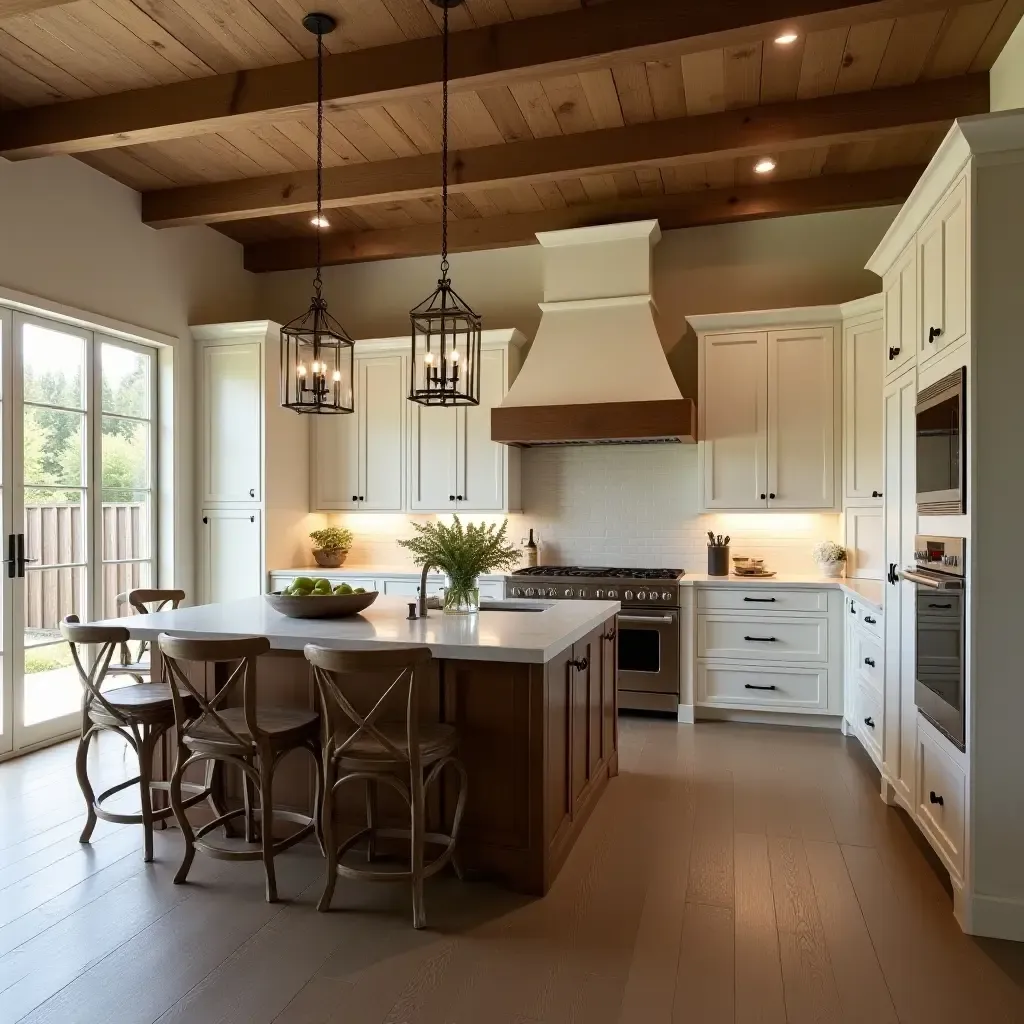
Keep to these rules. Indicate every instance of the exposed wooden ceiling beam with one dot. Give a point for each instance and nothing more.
(687, 209)
(11, 8)
(756, 131)
(530, 48)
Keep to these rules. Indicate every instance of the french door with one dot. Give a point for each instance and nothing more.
(77, 410)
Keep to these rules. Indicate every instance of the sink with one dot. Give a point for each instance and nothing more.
(514, 606)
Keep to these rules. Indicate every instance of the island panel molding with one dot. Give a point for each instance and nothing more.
(530, 48)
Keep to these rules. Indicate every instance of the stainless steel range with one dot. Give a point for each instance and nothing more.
(649, 629)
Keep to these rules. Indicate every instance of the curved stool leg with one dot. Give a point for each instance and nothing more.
(266, 772)
(180, 817)
(82, 771)
(318, 797)
(144, 747)
(419, 917)
(330, 843)
(249, 801)
(371, 819)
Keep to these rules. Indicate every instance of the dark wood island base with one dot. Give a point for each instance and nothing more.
(539, 743)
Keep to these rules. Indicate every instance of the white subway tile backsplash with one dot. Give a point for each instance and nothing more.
(630, 506)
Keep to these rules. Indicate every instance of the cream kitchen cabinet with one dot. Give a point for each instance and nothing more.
(865, 543)
(863, 375)
(942, 255)
(768, 412)
(358, 460)
(252, 463)
(899, 291)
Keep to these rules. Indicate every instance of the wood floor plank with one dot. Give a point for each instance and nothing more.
(705, 984)
(810, 987)
(863, 993)
(760, 998)
(711, 855)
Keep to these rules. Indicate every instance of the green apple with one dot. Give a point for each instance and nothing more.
(345, 589)
(322, 586)
(301, 586)
(359, 590)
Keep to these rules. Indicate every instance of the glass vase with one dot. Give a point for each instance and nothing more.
(462, 597)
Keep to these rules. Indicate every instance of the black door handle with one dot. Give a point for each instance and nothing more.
(761, 639)
(870, 621)
(22, 561)
(12, 560)
(936, 799)
(933, 333)
(760, 600)
(869, 722)
(869, 661)
(893, 353)
(754, 686)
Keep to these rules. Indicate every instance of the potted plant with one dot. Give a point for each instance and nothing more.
(831, 557)
(462, 554)
(330, 546)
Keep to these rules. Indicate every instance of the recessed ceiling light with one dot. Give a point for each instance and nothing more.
(319, 222)
(786, 38)
(765, 165)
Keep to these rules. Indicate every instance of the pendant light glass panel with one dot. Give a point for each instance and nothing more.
(445, 350)
(316, 363)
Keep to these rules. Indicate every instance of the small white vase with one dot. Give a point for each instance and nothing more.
(833, 570)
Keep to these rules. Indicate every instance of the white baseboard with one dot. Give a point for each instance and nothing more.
(801, 720)
(995, 917)
(684, 715)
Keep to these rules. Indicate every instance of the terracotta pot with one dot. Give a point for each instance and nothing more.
(331, 559)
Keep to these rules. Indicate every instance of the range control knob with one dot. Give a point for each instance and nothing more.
(529, 591)
(613, 594)
(583, 592)
(628, 595)
(599, 594)
(666, 596)
(570, 592)
(641, 595)
(516, 592)
(552, 592)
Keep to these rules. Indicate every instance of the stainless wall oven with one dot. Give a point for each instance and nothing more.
(942, 446)
(938, 582)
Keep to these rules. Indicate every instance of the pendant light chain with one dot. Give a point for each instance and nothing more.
(317, 280)
(444, 148)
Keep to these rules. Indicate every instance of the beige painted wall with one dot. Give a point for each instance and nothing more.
(791, 261)
(71, 236)
(1006, 80)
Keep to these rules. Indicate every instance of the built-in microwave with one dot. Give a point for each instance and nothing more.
(942, 446)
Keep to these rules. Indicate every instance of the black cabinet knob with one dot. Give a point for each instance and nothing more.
(252, 519)
(933, 333)
(869, 722)
(876, 494)
(355, 497)
(451, 497)
(252, 492)
(764, 497)
(853, 611)
(459, 497)
(935, 798)
(870, 662)
(582, 665)
(891, 576)
(870, 621)
(361, 498)
(772, 495)
(206, 519)
(893, 353)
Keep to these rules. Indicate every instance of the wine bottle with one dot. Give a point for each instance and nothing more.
(531, 551)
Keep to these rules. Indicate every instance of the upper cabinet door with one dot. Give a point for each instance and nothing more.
(942, 246)
(232, 423)
(433, 448)
(335, 459)
(381, 411)
(801, 418)
(899, 288)
(733, 407)
(482, 462)
(862, 401)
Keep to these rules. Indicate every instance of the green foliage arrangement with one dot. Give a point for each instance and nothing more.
(332, 538)
(462, 553)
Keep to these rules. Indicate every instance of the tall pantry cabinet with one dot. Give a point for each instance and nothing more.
(252, 467)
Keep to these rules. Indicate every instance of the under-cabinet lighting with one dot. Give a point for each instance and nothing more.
(765, 165)
(786, 39)
(320, 222)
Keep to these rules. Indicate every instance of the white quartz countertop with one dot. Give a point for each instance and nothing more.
(871, 592)
(531, 637)
(374, 571)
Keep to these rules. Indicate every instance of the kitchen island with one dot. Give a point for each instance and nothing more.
(530, 686)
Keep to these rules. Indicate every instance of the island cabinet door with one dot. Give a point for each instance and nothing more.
(609, 692)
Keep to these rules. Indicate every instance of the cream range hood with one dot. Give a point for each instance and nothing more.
(597, 371)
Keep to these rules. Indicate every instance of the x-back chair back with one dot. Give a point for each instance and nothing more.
(142, 601)
(108, 639)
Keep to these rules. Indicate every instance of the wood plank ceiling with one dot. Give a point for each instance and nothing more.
(53, 53)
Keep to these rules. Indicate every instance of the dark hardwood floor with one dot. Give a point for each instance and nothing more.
(731, 874)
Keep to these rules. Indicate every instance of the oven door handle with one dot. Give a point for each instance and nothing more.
(646, 618)
(929, 581)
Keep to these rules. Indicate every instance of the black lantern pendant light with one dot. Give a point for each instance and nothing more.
(316, 352)
(445, 363)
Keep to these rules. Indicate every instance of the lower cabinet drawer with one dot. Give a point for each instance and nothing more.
(941, 799)
(763, 686)
(761, 598)
(870, 719)
(867, 658)
(779, 638)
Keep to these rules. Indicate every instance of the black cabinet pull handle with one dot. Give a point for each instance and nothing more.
(582, 665)
(754, 686)
(869, 661)
(451, 497)
(206, 519)
(764, 497)
(933, 333)
(936, 799)
(610, 635)
(940, 606)
(772, 495)
(869, 722)
(355, 497)
(761, 639)
(760, 600)
(252, 519)
(876, 494)
(853, 611)
(870, 621)
(252, 492)
(459, 497)
(891, 577)
(361, 498)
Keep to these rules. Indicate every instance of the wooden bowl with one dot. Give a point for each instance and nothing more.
(335, 606)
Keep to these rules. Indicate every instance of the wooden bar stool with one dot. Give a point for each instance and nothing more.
(254, 738)
(142, 601)
(140, 713)
(369, 748)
